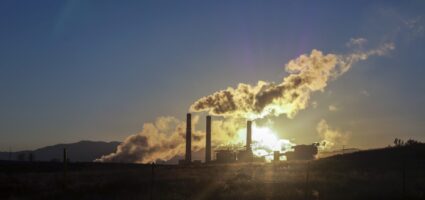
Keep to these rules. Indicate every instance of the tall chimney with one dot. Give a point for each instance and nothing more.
(248, 135)
(188, 138)
(208, 141)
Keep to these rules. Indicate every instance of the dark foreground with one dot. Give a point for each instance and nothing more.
(392, 175)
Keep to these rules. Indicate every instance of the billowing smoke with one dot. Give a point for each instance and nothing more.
(307, 74)
(225, 132)
(330, 137)
(165, 139)
(161, 140)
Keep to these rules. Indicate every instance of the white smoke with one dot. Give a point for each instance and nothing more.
(165, 139)
(331, 138)
(356, 42)
(161, 140)
(307, 73)
(333, 108)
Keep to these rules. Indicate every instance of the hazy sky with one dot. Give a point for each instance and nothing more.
(98, 70)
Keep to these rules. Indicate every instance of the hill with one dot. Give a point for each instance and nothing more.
(83, 151)
(410, 156)
(387, 173)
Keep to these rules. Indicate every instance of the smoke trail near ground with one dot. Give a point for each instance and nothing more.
(161, 140)
(329, 136)
(307, 74)
(165, 139)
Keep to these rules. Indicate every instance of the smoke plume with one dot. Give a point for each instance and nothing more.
(165, 139)
(307, 73)
(161, 140)
(330, 137)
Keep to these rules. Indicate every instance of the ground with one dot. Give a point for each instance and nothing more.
(340, 177)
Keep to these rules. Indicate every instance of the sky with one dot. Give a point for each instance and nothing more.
(100, 69)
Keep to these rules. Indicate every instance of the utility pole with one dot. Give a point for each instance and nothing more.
(10, 153)
(307, 177)
(403, 175)
(152, 180)
(65, 160)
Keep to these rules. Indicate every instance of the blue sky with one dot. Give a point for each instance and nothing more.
(98, 70)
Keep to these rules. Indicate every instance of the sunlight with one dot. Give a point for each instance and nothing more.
(265, 141)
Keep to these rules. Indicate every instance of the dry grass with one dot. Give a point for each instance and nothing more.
(262, 181)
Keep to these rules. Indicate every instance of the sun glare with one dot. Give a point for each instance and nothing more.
(265, 141)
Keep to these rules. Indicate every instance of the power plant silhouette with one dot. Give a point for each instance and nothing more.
(222, 155)
(230, 155)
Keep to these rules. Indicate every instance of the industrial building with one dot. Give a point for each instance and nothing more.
(244, 155)
(222, 155)
(302, 152)
(239, 155)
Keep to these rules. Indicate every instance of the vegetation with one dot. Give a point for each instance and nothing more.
(397, 172)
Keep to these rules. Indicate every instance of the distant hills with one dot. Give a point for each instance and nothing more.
(83, 151)
(324, 154)
(394, 157)
(196, 156)
(87, 151)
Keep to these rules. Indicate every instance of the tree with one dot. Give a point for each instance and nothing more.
(412, 142)
(398, 142)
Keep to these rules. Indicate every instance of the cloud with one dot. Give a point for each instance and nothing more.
(356, 42)
(401, 27)
(415, 27)
(365, 93)
(333, 108)
(331, 138)
(308, 73)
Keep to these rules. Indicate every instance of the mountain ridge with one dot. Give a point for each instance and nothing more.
(82, 151)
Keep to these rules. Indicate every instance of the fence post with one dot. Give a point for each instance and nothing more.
(152, 179)
(65, 160)
(10, 154)
(403, 177)
(307, 180)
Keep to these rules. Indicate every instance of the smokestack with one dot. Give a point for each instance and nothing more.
(188, 138)
(276, 156)
(248, 135)
(208, 141)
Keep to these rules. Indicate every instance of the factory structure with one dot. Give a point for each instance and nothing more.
(241, 155)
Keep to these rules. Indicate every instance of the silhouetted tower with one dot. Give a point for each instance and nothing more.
(188, 158)
(276, 156)
(208, 141)
(248, 135)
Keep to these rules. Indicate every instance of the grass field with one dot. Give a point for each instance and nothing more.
(342, 177)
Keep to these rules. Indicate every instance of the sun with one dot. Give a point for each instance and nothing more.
(265, 141)
(265, 137)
